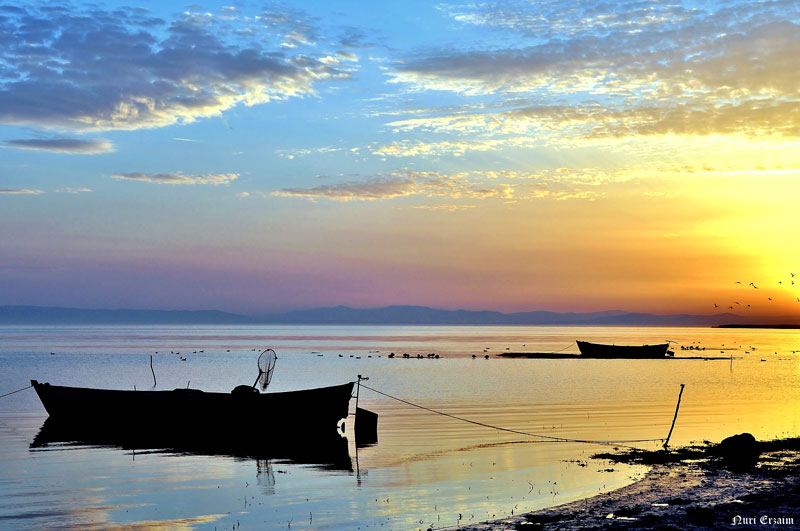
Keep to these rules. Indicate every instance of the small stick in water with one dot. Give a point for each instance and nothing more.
(677, 407)
(151, 370)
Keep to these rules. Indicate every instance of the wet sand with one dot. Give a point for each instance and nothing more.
(690, 490)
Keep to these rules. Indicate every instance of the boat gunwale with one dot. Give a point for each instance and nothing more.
(187, 392)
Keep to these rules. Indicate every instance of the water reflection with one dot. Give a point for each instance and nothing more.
(324, 451)
(425, 468)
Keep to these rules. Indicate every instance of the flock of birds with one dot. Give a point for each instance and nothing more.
(753, 285)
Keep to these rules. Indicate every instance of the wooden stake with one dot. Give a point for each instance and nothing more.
(677, 407)
(154, 372)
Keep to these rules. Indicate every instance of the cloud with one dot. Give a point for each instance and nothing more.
(303, 152)
(124, 69)
(452, 190)
(367, 190)
(178, 178)
(20, 191)
(456, 148)
(563, 195)
(69, 190)
(548, 19)
(446, 207)
(528, 126)
(404, 184)
(72, 146)
(609, 70)
(352, 37)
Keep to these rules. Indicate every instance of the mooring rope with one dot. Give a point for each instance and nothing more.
(17, 391)
(565, 348)
(547, 437)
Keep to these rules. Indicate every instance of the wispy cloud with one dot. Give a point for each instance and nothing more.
(367, 190)
(453, 190)
(456, 148)
(70, 190)
(97, 70)
(303, 152)
(20, 191)
(178, 178)
(563, 195)
(615, 70)
(72, 146)
(445, 207)
(405, 184)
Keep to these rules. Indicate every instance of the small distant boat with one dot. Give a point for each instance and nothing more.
(599, 350)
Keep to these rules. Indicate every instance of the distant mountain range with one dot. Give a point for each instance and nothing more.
(389, 315)
(55, 315)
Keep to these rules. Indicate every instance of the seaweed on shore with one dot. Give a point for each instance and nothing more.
(636, 456)
(708, 452)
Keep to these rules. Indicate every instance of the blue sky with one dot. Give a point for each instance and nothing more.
(507, 155)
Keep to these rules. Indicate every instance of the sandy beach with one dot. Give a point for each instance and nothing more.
(687, 489)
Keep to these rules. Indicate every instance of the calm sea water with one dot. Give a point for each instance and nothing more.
(426, 470)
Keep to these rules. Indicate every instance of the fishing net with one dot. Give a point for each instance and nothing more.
(266, 366)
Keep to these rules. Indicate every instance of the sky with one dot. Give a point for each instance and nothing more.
(511, 155)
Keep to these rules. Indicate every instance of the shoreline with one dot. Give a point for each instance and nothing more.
(568, 356)
(685, 489)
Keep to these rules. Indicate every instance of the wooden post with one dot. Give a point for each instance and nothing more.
(677, 407)
(355, 423)
(358, 388)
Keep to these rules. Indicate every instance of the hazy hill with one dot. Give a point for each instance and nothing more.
(56, 315)
(389, 315)
(421, 315)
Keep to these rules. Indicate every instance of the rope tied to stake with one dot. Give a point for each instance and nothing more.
(17, 391)
(551, 438)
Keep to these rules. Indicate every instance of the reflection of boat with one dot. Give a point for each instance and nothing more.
(598, 350)
(244, 412)
(327, 450)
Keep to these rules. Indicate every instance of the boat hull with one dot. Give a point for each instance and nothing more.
(598, 350)
(193, 411)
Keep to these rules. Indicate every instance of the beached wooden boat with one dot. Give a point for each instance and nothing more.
(599, 350)
(241, 413)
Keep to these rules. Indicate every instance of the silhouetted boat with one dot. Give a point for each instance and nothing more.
(598, 350)
(244, 412)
